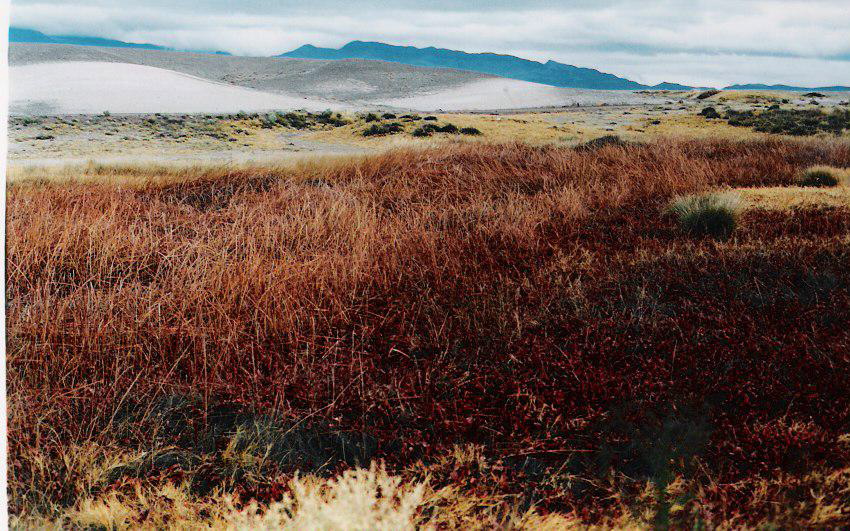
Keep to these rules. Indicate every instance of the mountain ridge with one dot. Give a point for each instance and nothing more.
(27, 35)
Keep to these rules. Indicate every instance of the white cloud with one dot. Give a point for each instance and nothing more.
(707, 42)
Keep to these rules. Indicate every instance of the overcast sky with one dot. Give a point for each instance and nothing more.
(713, 42)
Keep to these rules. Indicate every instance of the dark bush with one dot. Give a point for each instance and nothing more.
(707, 94)
(430, 118)
(388, 116)
(383, 129)
(818, 177)
(429, 129)
(710, 113)
(294, 120)
(470, 131)
(371, 117)
(329, 118)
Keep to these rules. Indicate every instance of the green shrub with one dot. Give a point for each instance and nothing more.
(470, 131)
(329, 118)
(707, 94)
(388, 116)
(710, 113)
(268, 121)
(383, 129)
(371, 117)
(714, 215)
(430, 118)
(818, 177)
(294, 120)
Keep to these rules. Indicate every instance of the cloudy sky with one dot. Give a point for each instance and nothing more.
(698, 42)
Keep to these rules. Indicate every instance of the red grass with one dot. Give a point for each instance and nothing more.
(507, 295)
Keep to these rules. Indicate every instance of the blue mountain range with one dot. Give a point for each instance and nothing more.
(29, 35)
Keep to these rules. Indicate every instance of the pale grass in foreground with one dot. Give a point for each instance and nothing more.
(358, 499)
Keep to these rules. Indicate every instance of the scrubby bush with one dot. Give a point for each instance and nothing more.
(388, 116)
(707, 94)
(818, 177)
(383, 129)
(429, 129)
(329, 118)
(371, 117)
(470, 131)
(430, 118)
(268, 121)
(714, 215)
(294, 120)
(710, 113)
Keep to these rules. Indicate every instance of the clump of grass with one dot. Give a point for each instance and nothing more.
(818, 176)
(714, 215)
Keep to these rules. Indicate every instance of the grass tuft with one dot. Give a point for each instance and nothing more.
(714, 215)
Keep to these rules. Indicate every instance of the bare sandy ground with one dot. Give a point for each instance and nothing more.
(95, 87)
(500, 93)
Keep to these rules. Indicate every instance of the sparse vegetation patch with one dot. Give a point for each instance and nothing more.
(798, 122)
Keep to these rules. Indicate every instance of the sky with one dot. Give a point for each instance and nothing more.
(696, 42)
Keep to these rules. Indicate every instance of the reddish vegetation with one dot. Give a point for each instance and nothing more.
(532, 300)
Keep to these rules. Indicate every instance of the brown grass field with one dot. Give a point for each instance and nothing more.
(518, 334)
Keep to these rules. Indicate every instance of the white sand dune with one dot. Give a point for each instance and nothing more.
(95, 87)
(498, 93)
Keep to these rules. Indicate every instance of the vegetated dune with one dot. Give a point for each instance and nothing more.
(94, 87)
